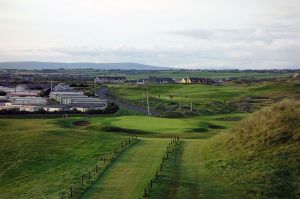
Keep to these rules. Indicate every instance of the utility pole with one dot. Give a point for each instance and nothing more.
(15, 85)
(148, 106)
(143, 99)
(191, 106)
(95, 89)
(180, 104)
(51, 86)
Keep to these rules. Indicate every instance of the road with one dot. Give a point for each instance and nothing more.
(103, 93)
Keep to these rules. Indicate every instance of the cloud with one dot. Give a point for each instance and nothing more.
(190, 33)
(278, 28)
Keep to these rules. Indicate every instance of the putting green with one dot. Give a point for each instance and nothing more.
(128, 175)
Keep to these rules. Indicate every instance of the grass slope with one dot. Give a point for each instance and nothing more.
(127, 177)
(262, 154)
(41, 157)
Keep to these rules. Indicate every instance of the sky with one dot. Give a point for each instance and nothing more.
(202, 34)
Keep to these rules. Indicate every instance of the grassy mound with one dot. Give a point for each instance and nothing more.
(261, 156)
(173, 115)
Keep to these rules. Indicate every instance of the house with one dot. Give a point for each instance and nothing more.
(161, 80)
(196, 80)
(141, 81)
(295, 75)
(109, 79)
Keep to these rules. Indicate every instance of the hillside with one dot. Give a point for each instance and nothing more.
(56, 65)
(261, 155)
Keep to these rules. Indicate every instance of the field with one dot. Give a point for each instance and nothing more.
(43, 158)
(229, 97)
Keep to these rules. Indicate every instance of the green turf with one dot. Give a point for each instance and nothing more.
(127, 177)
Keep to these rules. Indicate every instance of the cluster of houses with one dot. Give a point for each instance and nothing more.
(65, 99)
(104, 79)
(21, 99)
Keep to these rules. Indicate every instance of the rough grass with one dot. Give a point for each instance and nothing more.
(262, 154)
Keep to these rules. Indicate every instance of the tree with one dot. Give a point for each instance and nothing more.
(2, 93)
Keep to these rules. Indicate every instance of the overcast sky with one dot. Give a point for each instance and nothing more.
(215, 34)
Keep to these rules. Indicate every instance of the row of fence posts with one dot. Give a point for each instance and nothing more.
(95, 171)
(165, 157)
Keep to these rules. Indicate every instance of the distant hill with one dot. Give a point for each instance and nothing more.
(56, 65)
(261, 155)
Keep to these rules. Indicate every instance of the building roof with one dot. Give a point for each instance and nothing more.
(22, 94)
(62, 87)
(112, 77)
(86, 105)
(161, 79)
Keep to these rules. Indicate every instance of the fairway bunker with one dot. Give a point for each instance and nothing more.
(229, 118)
(197, 130)
(214, 126)
(81, 123)
(124, 130)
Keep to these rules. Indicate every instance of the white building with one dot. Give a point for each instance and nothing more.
(28, 100)
(19, 107)
(55, 108)
(58, 96)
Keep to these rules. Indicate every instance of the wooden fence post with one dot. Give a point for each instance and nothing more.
(71, 192)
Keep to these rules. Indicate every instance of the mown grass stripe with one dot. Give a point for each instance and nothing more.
(128, 175)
